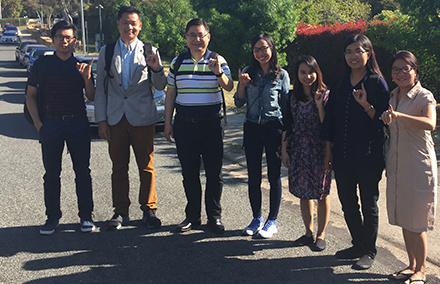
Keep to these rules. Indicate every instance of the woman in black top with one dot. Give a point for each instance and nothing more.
(354, 147)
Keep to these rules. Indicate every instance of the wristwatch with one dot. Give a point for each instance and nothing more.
(219, 74)
(371, 108)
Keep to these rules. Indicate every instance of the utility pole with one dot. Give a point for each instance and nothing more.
(1, 17)
(100, 26)
(83, 28)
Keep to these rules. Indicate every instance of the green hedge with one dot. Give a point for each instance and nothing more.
(15, 21)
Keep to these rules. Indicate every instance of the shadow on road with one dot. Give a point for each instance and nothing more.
(17, 85)
(13, 97)
(137, 255)
(14, 125)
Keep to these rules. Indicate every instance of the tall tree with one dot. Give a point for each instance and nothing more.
(332, 11)
(233, 24)
(425, 18)
(418, 30)
(377, 6)
(11, 8)
(44, 9)
(167, 20)
(163, 21)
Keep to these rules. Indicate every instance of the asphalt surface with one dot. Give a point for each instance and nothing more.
(136, 254)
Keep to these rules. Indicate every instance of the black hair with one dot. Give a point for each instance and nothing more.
(318, 85)
(197, 22)
(129, 10)
(255, 67)
(365, 42)
(409, 58)
(63, 25)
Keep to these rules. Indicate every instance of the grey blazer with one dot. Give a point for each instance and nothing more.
(137, 102)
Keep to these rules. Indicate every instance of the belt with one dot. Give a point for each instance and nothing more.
(66, 117)
(198, 119)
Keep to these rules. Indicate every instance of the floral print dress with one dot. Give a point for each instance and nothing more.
(308, 178)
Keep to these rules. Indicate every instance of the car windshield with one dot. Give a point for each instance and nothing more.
(38, 52)
(29, 49)
(23, 44)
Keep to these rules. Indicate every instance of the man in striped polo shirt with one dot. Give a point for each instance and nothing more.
(194, 90)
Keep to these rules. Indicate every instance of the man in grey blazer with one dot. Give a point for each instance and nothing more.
(126, 113)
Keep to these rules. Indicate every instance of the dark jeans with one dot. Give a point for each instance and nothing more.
(195, 141)
(76, 134)
(363, 227)
(256, 138)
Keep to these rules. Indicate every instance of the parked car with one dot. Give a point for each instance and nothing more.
(26, 51)
(20, 48)
(6, 25)
(11, 28)
(37, 52)
(33, 20)
(27, 57)
(9, 37)
(159, 96)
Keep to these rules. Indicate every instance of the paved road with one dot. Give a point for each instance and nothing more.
(136, 254)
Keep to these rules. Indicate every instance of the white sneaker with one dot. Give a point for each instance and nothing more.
(87, 226)
(269, 229)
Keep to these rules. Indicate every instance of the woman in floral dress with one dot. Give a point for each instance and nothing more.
(303, 152)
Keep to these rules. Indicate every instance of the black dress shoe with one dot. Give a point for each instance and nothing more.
(349, 253)
(117, 221)
(187, 225)
(365, 262)
(216, 226)
(303, 241)
(320, 244)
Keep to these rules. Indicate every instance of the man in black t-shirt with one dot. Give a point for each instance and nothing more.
(60, 117)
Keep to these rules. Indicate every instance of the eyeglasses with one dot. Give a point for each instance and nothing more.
(197, 36)
(405, 70)
(262, 49)
(61, 38)
(357, 52)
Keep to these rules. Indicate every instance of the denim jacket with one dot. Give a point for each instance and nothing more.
(265, 99)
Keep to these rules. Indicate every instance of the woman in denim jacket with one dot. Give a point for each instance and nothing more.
(263, 86)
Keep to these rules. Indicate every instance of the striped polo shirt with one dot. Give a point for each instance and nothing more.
(198, 91)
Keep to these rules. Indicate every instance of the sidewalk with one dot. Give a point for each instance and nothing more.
(390, 237)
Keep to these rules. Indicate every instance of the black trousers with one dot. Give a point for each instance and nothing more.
(267, 137)
(363, 226)
(196, 140)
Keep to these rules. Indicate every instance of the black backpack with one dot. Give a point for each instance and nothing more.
(176, 66)
(109, 51)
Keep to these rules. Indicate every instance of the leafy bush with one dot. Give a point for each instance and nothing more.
(402, 32)
(394, 32)
(332, 11)
(325, 43)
